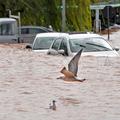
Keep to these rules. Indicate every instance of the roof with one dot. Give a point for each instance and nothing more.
(101, 6)
(30, 26)
(7, 20)
(84, 35)
(37, 27)
(49, 34)
(66, 35)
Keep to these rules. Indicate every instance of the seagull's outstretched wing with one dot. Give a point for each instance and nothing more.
(73, 65)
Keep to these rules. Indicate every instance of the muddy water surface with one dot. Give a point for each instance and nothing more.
(28, 85)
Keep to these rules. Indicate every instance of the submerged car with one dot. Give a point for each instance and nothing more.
(92, 44)
(43, 41)
(28, 33)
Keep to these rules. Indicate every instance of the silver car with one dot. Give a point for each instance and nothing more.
(92, 44)
(28, 33)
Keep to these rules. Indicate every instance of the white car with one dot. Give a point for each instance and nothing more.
(43, 41)
(92, 44)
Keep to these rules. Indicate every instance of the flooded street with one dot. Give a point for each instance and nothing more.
(28, 85)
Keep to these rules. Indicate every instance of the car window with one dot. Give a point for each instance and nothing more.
(6, 29)
(100, 42)
(56, 44)
(89, 44)
(42, 43)
(75, 45)
(32, 30)
(36, 30)
(63, 46)
(24, 31)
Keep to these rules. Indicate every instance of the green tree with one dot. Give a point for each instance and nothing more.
(78, 15)
(48, 12)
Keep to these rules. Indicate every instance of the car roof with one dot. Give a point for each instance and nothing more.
(30, 26)
(7, 20)
(88, 35)
(50, 34)
(67, 35)
(37, 27)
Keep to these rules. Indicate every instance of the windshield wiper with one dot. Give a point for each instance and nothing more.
(80, 45)
(98, 46)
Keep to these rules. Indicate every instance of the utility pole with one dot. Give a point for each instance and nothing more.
(108, 19)
(63, 16)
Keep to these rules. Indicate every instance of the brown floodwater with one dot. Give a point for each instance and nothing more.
(28, 85)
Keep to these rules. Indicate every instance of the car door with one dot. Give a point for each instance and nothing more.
(59, 46)
(63, 46)
(8, 32)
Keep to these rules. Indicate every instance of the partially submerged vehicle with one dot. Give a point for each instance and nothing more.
(92, 44)
(8, 30)
(28, 33)
(43, 41)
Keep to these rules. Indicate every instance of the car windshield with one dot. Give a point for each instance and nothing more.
(42, 43)
(89, 44)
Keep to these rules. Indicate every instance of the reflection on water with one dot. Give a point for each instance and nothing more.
(28, 83)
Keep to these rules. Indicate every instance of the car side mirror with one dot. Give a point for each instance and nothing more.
(29, 46)
(52, 52)
(61, 51)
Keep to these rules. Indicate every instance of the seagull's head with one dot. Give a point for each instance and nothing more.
(53, 101)
(63, 69)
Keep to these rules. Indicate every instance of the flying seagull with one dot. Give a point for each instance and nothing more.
(71, 73)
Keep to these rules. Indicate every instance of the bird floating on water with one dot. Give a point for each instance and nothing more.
(71, 73)
(53, 106)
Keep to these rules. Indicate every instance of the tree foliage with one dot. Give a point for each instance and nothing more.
(78, 15)
(48, 12)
